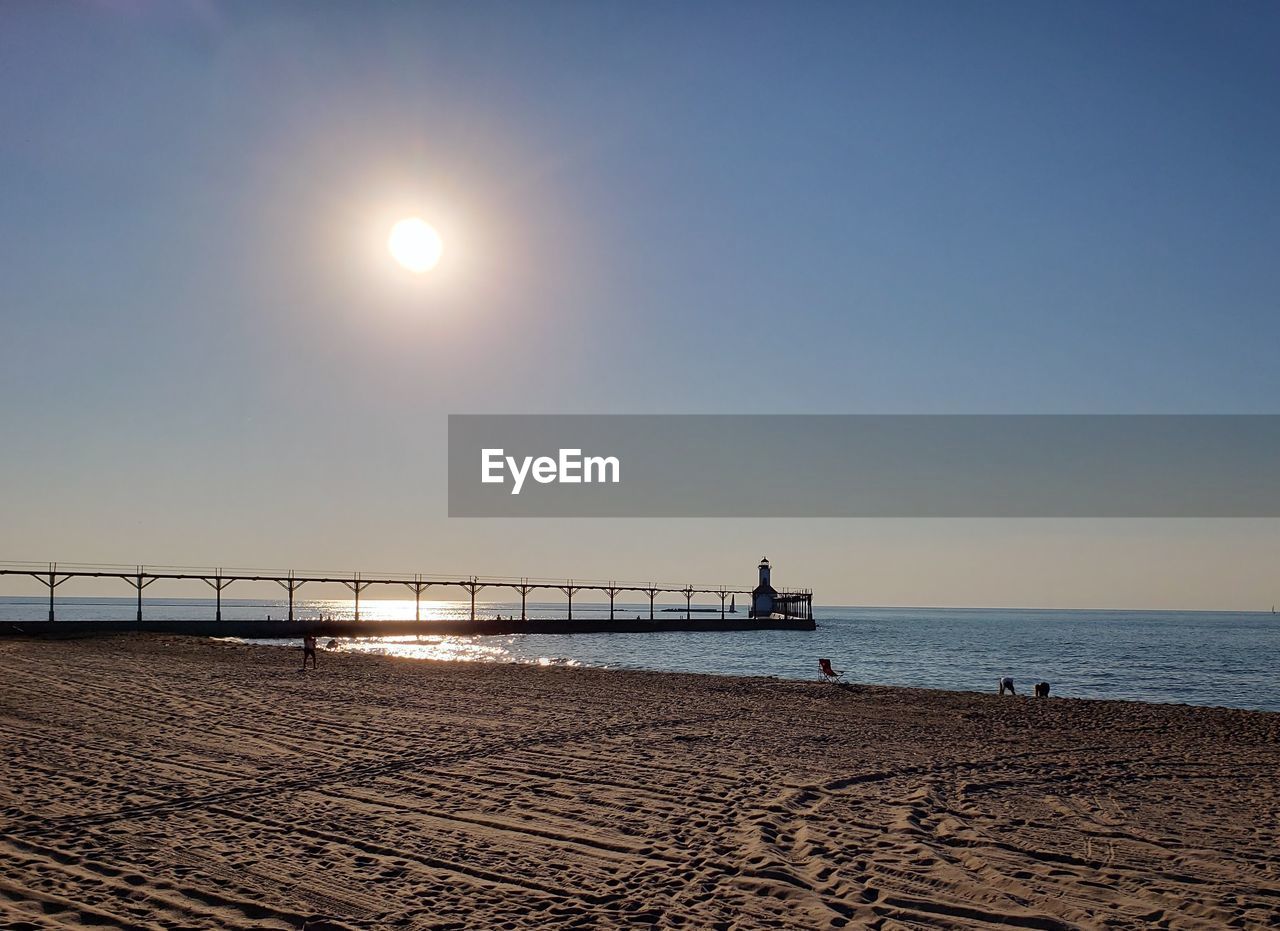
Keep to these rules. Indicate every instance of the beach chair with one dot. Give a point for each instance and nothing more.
(827, 672)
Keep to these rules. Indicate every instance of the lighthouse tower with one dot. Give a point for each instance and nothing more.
(763, 595)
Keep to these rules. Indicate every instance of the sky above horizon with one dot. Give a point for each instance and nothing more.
(207, 356)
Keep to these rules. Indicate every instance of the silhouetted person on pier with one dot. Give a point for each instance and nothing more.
(309, 650)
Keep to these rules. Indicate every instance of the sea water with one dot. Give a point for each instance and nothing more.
(1203, 658)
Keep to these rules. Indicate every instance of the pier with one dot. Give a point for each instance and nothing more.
(792, 609)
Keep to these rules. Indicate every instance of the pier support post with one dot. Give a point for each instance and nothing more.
(139, 581)
(524, 588)
(418, 587)
(472, 587)
(652, 593)
(569, 590)
(613, 590)
(688, 602)
(723, 595)
(356, 586)
(290, 585)
(218, 583)
(51, 580)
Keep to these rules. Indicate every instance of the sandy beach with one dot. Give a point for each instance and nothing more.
(165, 782)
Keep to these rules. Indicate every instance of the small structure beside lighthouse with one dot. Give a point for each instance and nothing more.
(767, 601)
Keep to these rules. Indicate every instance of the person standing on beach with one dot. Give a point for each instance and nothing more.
(309, 650)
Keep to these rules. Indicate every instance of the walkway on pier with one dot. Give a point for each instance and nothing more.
(798, 602)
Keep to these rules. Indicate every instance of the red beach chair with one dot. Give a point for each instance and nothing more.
(827, 672)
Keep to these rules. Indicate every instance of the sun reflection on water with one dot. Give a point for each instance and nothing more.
(391, 609)
(463, 649)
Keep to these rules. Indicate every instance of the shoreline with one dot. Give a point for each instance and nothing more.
(814, 680)
(66, 633)
(156, 781)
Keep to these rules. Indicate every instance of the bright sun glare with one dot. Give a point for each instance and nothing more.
(415, 245)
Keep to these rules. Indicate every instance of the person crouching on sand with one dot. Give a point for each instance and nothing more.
(309, 650)
(1006, 685)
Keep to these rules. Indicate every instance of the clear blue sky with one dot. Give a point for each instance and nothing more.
(947, 207)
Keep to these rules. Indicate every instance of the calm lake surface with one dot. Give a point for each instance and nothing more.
(1202, 658)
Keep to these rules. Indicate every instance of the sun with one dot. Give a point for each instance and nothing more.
(415, 245)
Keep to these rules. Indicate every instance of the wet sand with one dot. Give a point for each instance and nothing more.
(163, 782)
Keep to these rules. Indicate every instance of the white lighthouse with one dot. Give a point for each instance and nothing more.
(763, 595)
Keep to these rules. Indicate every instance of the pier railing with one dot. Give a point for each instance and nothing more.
(52, 575)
